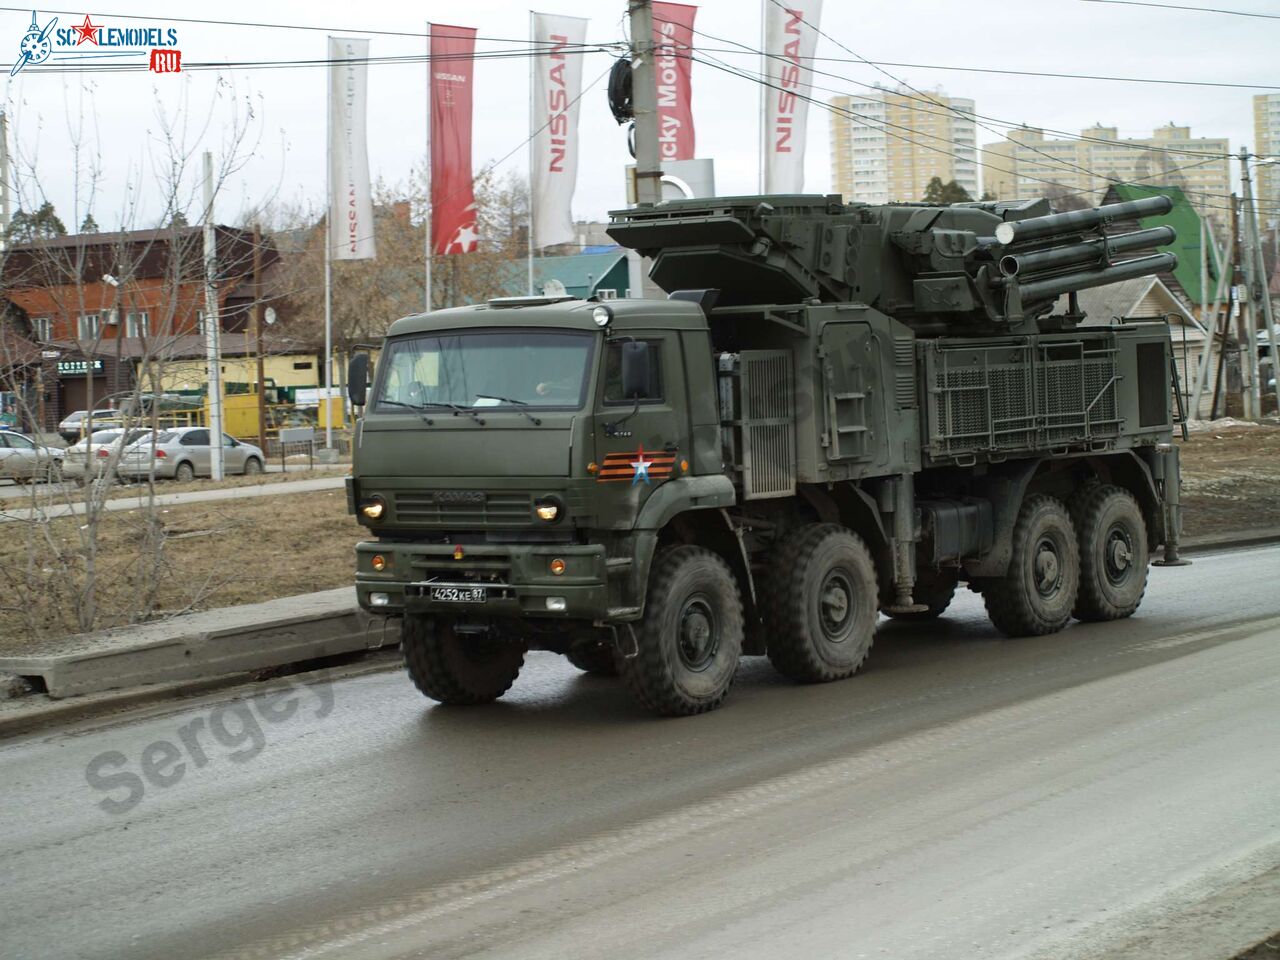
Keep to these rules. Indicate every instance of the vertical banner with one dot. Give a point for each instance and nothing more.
(557, 84)
(790, 38)
(350, 202)
(453, 202)
(673, 66)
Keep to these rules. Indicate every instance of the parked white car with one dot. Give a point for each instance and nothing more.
(21, 458)
(185, 454)
(88, 459)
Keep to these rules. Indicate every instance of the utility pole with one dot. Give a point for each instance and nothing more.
(1242, 327)
(1249, 316)
(257, 333)
(644, 99)
(1260, 287)
(6, 209)
(212, 346)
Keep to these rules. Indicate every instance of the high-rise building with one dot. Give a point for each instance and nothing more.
(887, 145)
(1026, 164)
(1266, 141)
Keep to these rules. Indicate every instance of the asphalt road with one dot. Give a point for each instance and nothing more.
(967, 796)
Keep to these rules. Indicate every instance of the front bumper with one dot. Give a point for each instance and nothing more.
(517, 579)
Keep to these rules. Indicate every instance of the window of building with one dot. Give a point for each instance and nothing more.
(302, 365)
(89, 326)
(43, 327)
(137, 325)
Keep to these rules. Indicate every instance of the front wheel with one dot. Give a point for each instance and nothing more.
(1038, 591)
(252, 467)
(821, 606)
(688, 645)
(456, 669)
(1113, 554)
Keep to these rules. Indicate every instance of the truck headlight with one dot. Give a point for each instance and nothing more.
(548, 509)
(373, 509)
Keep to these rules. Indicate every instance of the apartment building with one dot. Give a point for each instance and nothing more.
(887, 145)
(1266, 141)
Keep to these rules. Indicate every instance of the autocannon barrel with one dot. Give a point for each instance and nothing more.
(1073, 221)
(1083, 279)
(1089, 251)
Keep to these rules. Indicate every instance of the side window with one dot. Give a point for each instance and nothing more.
(20, 443)
(613, 373)
(196, 438)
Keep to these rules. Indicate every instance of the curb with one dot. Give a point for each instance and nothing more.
(1231, 540)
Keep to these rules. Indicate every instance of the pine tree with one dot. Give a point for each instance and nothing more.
(944, 193)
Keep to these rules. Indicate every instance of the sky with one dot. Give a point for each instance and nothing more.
(117, 119)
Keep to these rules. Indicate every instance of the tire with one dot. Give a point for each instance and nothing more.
(252, 467)
(690, 641)
(935, 589)
(1038, 592)
(54, 473)
(184, 472)
(593, 657)
(821, 607)
(454, 669)
(1114, 554)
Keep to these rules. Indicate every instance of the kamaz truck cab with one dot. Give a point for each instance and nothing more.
(867, 408)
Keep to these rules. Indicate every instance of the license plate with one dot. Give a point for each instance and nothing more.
(459, 594)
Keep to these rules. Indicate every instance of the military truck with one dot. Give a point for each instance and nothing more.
(841, 411)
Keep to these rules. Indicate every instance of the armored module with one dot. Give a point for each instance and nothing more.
(842, 410)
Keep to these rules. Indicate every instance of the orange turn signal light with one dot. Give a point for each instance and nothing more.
(557, 566)
(379, 562)
(592, 467)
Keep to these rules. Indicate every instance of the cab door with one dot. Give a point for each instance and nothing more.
(639, 445)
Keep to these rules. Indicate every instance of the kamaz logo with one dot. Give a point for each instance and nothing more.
(458, 496)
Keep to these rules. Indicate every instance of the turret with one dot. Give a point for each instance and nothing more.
(967, 268)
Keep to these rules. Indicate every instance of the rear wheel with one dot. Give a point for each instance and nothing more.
(689, 643)
(184, 472)
(594, 657)
(1113, 554)
(822, 601)
(1037, 593)
(457, 669)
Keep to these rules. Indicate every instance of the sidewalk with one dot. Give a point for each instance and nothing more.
(177, 499)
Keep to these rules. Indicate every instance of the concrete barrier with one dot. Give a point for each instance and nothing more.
(203, 645)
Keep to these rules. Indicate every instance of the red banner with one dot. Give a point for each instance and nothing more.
(673, 63)
(453, 202)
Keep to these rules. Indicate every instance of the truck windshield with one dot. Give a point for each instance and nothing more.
(485, 369)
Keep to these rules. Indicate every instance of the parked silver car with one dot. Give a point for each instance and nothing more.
(21, 458)
(88, 459)
(185, 453)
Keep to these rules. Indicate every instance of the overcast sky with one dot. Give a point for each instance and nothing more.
(120, 110)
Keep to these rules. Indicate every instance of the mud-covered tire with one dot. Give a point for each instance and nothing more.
(935, 589)
(252, 467)
(821, 604)
(690, 640)
(594, 657)
(454, 669)
(1112, 537)
(1036, 595)
(184, 472)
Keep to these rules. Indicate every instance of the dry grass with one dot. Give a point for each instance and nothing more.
(216, 555)
(1231, 480)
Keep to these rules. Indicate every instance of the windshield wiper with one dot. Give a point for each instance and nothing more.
(518, 404)
(427, 404)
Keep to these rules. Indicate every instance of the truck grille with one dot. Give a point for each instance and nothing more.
(440, 509)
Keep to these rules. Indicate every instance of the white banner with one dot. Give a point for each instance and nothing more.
(790, 36)
(553, 155)
(350, 203)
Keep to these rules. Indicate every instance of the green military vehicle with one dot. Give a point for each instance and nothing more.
(842, 410)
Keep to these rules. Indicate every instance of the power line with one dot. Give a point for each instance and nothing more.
(1181, 6)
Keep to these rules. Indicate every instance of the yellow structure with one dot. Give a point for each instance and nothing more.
(886, 146)
(1026, 164)
(288, 370)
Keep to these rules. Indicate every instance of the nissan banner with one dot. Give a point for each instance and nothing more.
(453, 202)
(350, 204)
(790, 36)
(557, 85)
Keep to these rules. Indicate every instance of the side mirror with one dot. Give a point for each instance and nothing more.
(636, 373)
(358, 379)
